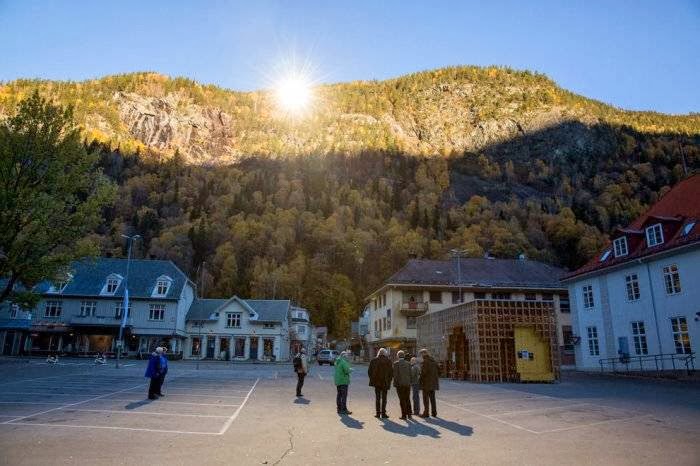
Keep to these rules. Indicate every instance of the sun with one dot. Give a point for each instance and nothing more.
(294, 93)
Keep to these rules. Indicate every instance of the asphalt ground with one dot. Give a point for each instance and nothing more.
(79, 413)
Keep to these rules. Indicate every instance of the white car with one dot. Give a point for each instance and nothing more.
(327, 356)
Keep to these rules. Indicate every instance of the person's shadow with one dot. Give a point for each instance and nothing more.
(450, 425)
(411, 429)
(138, 404)
(350, 422)
(301, 401)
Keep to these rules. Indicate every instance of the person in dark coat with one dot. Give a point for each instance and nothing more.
(153, 370)
(402, 382)
(380, 374)
(429, 382)
(163, 369)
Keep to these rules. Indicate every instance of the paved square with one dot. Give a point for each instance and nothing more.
(78, 413)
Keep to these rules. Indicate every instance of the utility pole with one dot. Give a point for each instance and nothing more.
(457, 254)
(125, 302)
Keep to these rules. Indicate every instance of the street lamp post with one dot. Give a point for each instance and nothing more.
(125, 302)
(457, 253)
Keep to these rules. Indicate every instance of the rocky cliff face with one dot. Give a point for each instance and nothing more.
(441, 112)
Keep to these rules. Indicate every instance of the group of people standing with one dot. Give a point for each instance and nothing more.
(156, 370)
(410, 376)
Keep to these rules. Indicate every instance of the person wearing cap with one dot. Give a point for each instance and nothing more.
(301, 367)
(153, 370)
(163, 369)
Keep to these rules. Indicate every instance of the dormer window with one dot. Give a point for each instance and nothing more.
(655, 235)
(59, 285)
(111, 284)
(688, 228)
(162, 286)
(605, 256)
(620, 246)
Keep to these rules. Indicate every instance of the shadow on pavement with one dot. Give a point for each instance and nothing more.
(351, 422)
(138, 404)
(453, 426)
(301, 401)
(412, 429)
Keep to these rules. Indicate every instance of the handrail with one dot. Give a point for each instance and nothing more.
(636, 363)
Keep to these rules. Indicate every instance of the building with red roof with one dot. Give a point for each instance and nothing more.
(636, 304)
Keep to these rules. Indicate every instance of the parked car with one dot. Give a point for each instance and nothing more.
(327, 356)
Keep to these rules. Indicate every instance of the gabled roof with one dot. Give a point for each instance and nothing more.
(89, 277)
(478, 272)
(265, 310)
(680, 206)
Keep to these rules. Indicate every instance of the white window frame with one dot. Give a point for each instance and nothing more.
(639, 337)
(233, 319)
(119, 309)
(59, 286)
(588, 298)
(655, 235)
(411, 322)
(593, 342)
(672, 279)
(681, 337)
(156, 312)
(56, 309)
(112, 279)
(620, 246)
(14, 311)
(88, 308)
(163, 284)
(632, 287)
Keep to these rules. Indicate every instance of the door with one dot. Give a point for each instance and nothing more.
(211, 343)
(253, 354)
(623, 348)
(532, 356)
(9, 343)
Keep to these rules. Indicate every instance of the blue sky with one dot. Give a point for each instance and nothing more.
(642, 55)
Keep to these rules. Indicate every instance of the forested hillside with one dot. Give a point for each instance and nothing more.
(322, 209)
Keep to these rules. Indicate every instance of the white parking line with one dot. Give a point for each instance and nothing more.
(174, 402)
(30, 403)
(581, 426)
(235, 414)
(495, 401)
(527, 411)
(490, 417)
(140, 429)
(68, 405)
(44, 393)
(154, 413)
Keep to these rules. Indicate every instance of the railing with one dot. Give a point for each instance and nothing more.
(412, 308)
(650, 362)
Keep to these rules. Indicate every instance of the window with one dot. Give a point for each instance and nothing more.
(111, 284)
(547, 297)
(53, 309)
(672, 279)
(639, 336)
(301, 330)
(530, 297)
(688, 228)
(384, 327)
(271, 325)
(605, 256)
(568, 337)
(588, 296)
(119, 310)
(268, 345)
(388, 317)
(564, 305)
(620, 246)
(239, 348)
(455, 297)
(436, 297)
(87, 308)
(233, 319)
(162, 286)
(479, 295)
(59, 285)
(411, 322)
(156, 312)
(14, 310)
(679, 327)
(632, 284)
(655, 235)
(593, 348)
(196, 346)
(500, 295)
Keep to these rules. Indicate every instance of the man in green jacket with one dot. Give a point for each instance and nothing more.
(342, 380)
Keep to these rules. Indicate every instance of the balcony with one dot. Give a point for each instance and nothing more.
(413, 309)
(99, 321)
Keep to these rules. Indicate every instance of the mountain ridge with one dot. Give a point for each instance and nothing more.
(447, 111)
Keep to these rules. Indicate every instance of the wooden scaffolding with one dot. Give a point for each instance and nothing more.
(476, 340)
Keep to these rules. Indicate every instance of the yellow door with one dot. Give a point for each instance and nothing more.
(532, 357)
